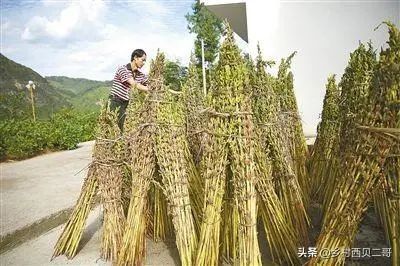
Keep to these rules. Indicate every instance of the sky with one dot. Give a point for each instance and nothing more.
(91, 38)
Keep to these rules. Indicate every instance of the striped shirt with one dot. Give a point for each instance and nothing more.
(121, 87)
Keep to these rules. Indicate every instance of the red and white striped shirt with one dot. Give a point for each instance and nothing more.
(121, 87)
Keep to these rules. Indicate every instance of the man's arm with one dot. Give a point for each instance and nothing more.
(133, 83)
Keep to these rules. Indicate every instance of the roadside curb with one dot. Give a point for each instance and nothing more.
(31, 231)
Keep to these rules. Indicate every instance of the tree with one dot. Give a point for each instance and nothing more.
(208, 28)
(174, 74)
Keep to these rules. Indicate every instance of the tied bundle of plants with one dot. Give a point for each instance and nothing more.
(355, 88)
(159, 224)
(111, 174)
(387, 202)
(288, 228)
(229, 158)
(101, 170)
(193, 99)
(171, 144)
(158, 152)
(387, 198)
(194, 103)
(292, 127)
(140, 142)
(327, 131)
(372, 132)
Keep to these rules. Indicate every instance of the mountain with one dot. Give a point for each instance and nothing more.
(76, 85)
(51, 94)
(84, 94)
(13, 79)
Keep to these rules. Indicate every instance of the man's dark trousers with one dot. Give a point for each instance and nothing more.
(117, 103)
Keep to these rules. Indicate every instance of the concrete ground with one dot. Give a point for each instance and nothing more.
(38, 187)
(39, 251)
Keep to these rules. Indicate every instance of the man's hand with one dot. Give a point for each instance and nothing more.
(139, 86)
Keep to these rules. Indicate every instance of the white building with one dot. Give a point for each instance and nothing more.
(253, 21)
(323, 33)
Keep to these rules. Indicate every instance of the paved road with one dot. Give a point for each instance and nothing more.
(39, 187)
(38, 252)
(35, 188)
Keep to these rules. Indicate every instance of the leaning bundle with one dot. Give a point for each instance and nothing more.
(70, 237)
(159, 224)
(387, 199)
(372, 133)
(156, 139)
(194, 103)
(230, 131)
(171, 143)
(281, 236)
(326, 134)
(291, 125)
(111, 171)
(355, 88)
(193, 100)
(387, 202)
(140, 128)
(266, 109)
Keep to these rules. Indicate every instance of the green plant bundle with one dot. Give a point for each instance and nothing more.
(160, 162)
(292, 126)
(372, 133)
(387, 203)
(194, 103)
(71, 235)
(387, 199)
(273, 162)
(355, 87)
(140, 141)
(281, 236)
(327, 131)
(171, 143)
(159, 224)
(193, 99)
(99, 168)
(229, 143)
(111, 172)
(196, 187)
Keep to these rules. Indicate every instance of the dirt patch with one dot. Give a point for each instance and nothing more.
(370, 237)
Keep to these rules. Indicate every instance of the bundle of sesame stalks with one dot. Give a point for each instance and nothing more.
(111, 171)
(292, 126)
(387, 198)
(171, 143)
(140, 142)
(70, 237)
(355, 88)
(194, 103)
(196, 188)
(104, 172)
(159, 224)
(229, 145)
(193, 99)
(326, 133)
(387, 202)
(266, 109)
(371, 132)
(156, 140)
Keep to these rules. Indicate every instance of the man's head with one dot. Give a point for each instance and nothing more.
(138, 58)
